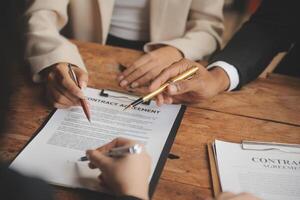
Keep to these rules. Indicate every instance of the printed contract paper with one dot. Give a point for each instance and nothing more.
(53, 154)
(269, 174)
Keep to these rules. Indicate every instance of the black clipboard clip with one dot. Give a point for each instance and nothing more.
(103, 94)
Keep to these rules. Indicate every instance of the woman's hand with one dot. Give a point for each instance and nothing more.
(204, 84)
(62, 91)
(128, 175)
(147, 67)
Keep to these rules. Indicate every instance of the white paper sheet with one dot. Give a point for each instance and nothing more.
(53, 154)
(271, 175)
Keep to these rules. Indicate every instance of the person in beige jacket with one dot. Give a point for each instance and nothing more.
(167, 29)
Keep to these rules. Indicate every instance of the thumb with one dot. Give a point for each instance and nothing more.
(82, 77)
(98, 159)
(181, 87)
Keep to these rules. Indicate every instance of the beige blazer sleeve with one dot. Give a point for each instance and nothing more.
(45, 46)
(203, 33)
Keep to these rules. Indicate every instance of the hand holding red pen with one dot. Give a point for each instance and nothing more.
(62, 91)
(83, 102)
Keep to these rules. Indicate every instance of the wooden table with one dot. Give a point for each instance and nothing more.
(267, 110)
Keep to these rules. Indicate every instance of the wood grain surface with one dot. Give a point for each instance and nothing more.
(267, 109)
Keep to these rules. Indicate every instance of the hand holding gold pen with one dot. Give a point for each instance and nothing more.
(187, 74)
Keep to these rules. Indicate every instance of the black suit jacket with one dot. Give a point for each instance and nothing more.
(14, 186)
(272, 29)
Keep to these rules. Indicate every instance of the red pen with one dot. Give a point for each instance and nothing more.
(83, 102)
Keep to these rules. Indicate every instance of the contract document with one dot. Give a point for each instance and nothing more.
(271, 172)
(54, 152)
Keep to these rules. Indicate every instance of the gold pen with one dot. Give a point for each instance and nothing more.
(146, 98)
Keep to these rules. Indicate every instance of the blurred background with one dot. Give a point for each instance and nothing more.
(235, 12)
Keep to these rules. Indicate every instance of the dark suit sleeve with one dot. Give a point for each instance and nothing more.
(272, 29)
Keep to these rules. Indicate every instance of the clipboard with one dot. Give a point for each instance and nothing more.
(246, 145)
(162, 158)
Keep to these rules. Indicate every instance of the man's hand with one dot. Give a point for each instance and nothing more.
(241, 196)
(62, 91)
(147, 67)
(204, 84)
(128, 175)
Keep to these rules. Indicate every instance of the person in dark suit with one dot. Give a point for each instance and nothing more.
(273, 28)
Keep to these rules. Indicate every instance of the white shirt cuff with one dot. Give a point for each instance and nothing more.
(231, 72)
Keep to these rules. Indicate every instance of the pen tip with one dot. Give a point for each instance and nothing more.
(84, 158)
(129, 106)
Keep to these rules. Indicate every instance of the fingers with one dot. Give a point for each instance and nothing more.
(105, 148)
(59, 98)
(163, 99)
(147, 77)
(141, 90)
(53, 102)
(140, 71)
(98, 159)
(159, 99)
(168, 99)
(102, 181)
(118, 142)
(170, 72)
(183, 86)
(92, 166)
(61, 89)
(137, 64)
(68, 83)
(82, 77)
(149, 66)
(52, 83)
